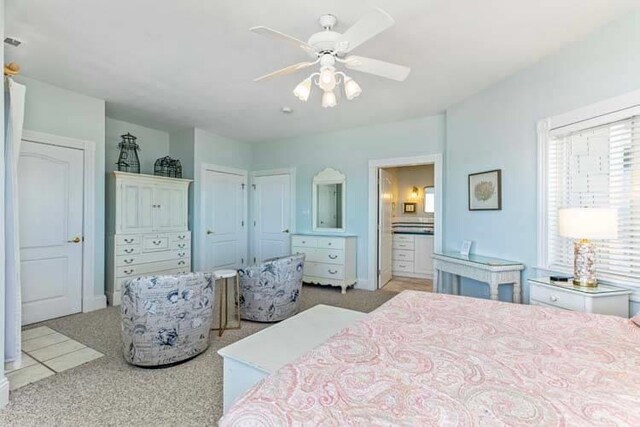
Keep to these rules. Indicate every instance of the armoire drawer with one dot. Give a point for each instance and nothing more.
(128, 250)
(180, 244)
(124, 260)
(132, 239)
(155, 243)
(152, 268)
(328, 271)
(180, 237)
(121, 281)
(304, 241)
(403, 255)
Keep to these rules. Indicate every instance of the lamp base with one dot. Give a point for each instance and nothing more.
(584, 264)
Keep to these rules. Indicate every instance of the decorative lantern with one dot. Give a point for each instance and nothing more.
(166, 166)
(128, 160)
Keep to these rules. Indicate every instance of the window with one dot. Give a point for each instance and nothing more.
(593, 162)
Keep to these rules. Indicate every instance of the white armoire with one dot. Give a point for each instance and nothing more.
(147, 228)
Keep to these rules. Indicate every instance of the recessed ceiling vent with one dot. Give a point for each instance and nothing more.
(12, 41)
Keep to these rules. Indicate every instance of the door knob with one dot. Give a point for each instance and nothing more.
(209, 232)
(285, 231)
(76, 239)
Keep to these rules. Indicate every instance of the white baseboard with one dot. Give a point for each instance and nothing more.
(364, 284)
(4, 392)
(95, 302)
(114, 298)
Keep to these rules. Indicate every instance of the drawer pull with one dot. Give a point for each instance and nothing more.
(129, 240)
(553, 298)
(333, 256)
(181, 245)
(128, 271)
(157, 242)
(181, 237)
(181, 262)
(402, 255)
(128, 251)
(128, 261)
(333, 271)
(329, 244)
(402, 265)
(304, 241)
(181, 254)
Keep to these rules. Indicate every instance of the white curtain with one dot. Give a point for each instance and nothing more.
(14, 118)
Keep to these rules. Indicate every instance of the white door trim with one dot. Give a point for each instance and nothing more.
(374, 165)
(90, 300)
(199, 221)
(292, 198)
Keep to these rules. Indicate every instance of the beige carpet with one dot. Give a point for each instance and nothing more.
(107, 391)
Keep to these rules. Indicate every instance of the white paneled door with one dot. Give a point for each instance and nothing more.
(224, 220)
(272, 216)
(385, 234)
(50, 182)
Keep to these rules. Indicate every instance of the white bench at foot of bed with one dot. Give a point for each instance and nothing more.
(251, 359)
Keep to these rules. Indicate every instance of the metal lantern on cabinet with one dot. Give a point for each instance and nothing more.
(128, 160)
(166, 166)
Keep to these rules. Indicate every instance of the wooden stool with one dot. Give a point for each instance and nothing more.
(219, 276)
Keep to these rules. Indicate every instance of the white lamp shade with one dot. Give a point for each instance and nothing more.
(588, 223)
(329, 100)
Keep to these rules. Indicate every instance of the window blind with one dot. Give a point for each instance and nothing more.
(597, 167)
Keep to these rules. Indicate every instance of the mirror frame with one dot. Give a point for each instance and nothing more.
(329, 176)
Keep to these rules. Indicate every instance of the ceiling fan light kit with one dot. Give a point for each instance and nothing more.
(329, 47)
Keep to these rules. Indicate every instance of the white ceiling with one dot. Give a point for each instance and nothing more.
(175, 64)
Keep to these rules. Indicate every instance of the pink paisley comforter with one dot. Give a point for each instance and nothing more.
(431, 359)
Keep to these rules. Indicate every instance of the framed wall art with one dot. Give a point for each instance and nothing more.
(409, 208)
(485, 191)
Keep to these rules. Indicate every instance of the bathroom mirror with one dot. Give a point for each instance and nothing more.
(329, 201)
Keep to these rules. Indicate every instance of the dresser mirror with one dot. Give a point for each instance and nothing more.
(329, 201)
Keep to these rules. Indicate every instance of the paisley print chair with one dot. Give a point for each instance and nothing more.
(166, 319)
(269, 292)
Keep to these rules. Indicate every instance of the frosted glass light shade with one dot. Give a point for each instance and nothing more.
(351, 88)
(329, 100)
(303, 90)
(588, 223)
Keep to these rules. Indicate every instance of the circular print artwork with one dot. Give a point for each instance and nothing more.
(484, 190)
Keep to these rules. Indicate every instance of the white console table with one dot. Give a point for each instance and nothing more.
(492, 271)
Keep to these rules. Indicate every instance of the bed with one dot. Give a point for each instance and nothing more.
(433, 359)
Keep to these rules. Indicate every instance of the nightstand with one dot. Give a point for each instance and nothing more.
(603, 299)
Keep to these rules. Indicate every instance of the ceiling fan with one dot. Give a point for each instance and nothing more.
(329, 48)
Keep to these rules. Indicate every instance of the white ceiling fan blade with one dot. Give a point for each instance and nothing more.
(367, 27)
(379, 68)
(287, 70)
(274, 34)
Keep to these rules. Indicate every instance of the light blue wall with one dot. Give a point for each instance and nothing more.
(218, 150)
(153, 144)
(349, 151)
(60, 112)
(497, 129)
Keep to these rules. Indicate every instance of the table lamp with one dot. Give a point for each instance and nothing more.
(584, 225)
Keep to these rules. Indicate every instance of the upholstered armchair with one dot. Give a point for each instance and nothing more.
(166, 319)
(270, 291)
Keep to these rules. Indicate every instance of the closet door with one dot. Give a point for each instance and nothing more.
(170, 213)
(136, 207)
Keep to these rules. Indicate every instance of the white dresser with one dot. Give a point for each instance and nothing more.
(413, 255)
(603, 299)
(329, 260)
(147, 228)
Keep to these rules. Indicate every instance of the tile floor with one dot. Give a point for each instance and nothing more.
(45, 352)
(399, 284)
